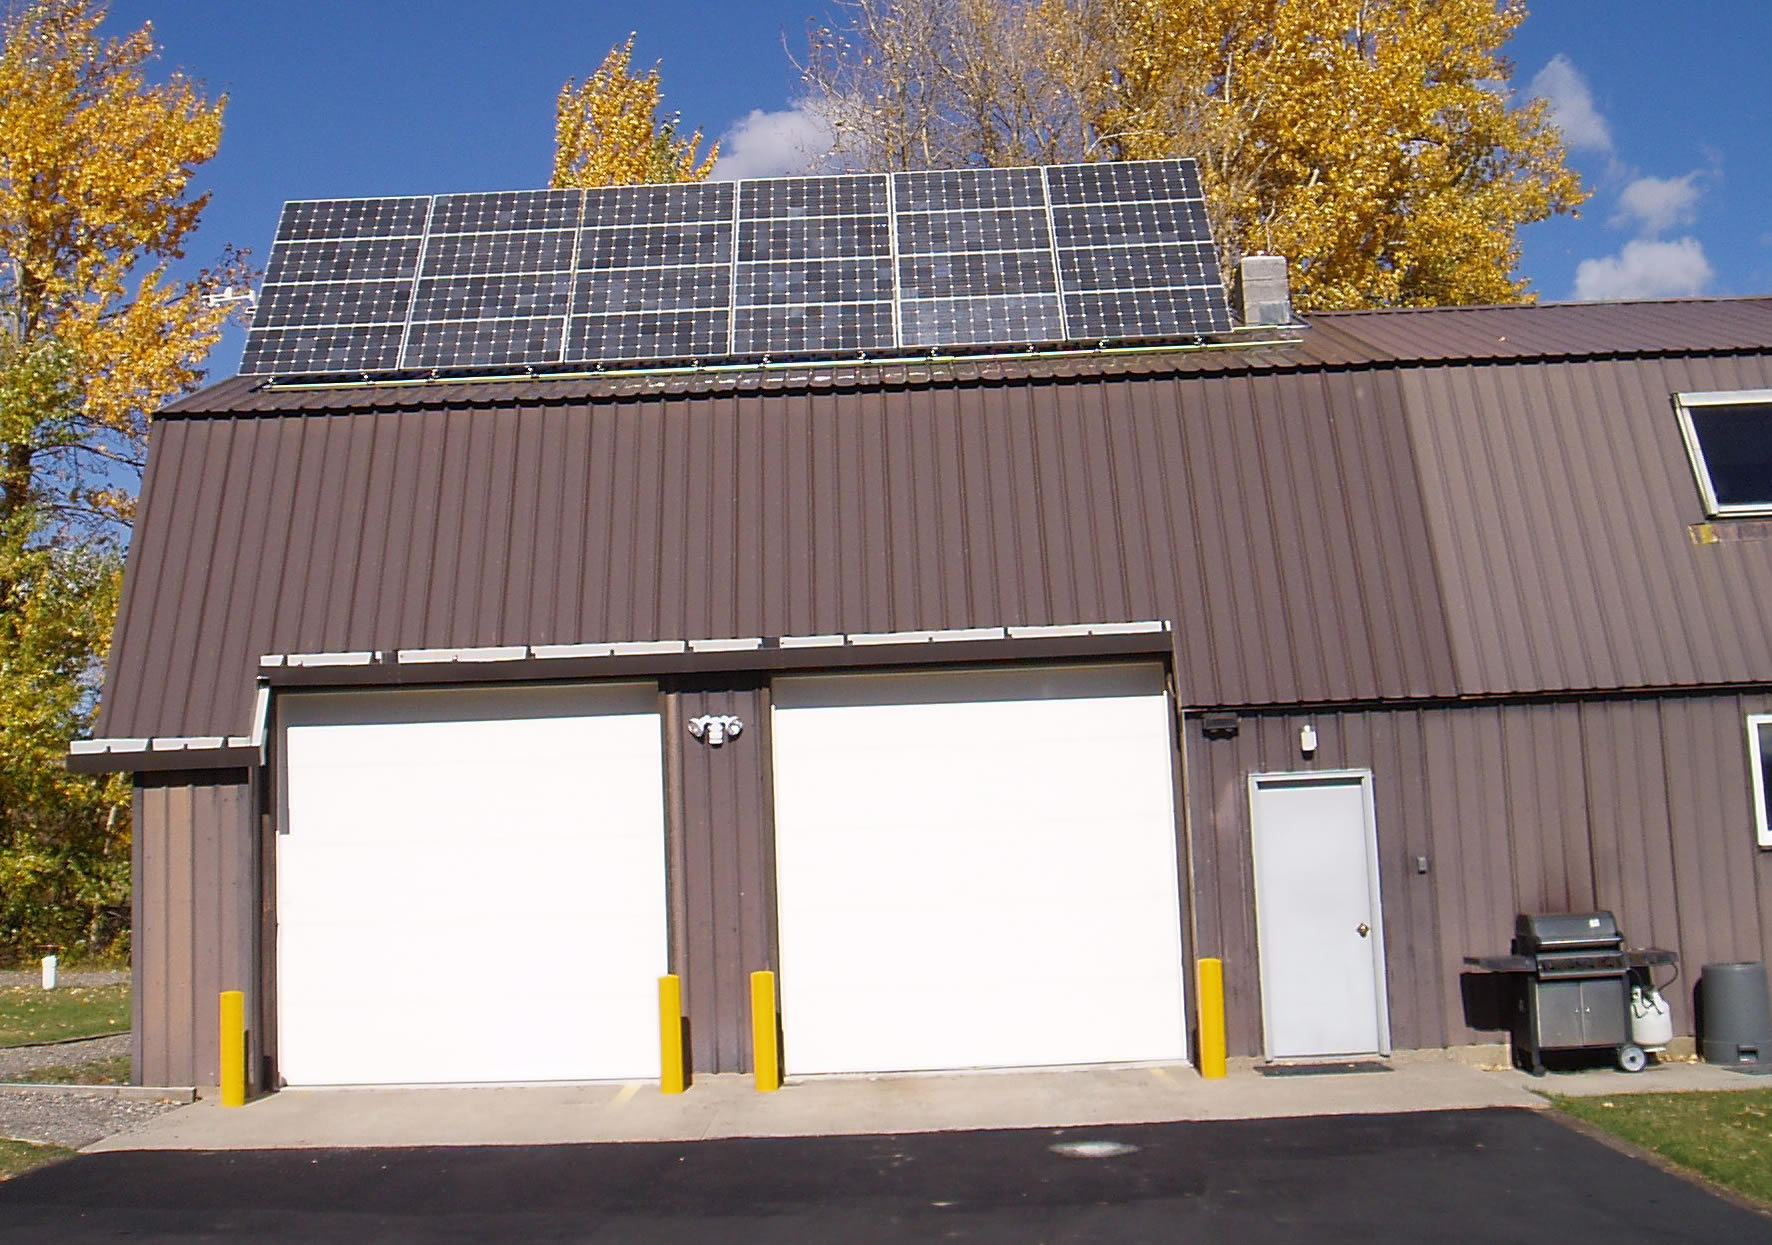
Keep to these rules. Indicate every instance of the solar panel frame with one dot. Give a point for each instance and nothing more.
(975, 259)
(334, 289)
(812, 266)
(653, 276)
(918, 262)
(1109, 222)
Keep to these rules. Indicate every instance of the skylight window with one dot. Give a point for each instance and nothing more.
(1729, 436)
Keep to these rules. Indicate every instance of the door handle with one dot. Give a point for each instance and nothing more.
(1364, 929)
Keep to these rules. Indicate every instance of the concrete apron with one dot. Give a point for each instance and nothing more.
(729, 1106)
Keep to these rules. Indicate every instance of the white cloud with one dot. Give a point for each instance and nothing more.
(1572, 105)
(772, 144)
(1645, 268)
(1657, 204)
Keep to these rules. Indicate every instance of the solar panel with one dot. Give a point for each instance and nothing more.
(813, 271)
(339, 286)
(961, 259)
(975, 259)
(654, 276)
(1134, 248)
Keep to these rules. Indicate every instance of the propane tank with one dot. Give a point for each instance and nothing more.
(1651, 1019)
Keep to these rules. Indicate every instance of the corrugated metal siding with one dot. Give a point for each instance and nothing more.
(722, 868)
(1560, 502)
(1640, 806)
(196, 910)
(1274, 520)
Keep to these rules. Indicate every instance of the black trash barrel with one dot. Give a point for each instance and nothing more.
(1737, 1014)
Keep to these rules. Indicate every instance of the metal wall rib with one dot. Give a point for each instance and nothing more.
(1274, 520)
(1314, 536)
(1640, 806)
(1561, 506)
(196, 912)
(722, 865)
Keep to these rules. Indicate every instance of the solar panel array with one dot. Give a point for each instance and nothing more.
(786, 267)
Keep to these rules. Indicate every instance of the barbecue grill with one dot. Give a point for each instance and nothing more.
(1575, 992)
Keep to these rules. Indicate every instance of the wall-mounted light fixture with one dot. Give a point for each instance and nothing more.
(1307, 739)
(715, 729)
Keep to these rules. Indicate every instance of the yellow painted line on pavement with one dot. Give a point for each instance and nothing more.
(623, 1095)
(1162, 1074)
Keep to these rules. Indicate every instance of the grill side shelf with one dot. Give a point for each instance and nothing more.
(1647, 957)
(1503, 963)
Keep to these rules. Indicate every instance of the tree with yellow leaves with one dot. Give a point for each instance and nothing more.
(95, 169)
(95, 334)
(1371, 142)
(607, 131)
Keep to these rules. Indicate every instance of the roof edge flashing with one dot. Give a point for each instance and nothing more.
(161, 753)
(662, 658)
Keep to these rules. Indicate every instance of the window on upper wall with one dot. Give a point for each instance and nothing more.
(1759, 752)
(1729, 436)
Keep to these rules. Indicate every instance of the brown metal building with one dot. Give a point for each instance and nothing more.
(1449, 581)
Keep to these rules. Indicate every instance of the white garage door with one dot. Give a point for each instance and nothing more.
(470, 886)
(977, 869)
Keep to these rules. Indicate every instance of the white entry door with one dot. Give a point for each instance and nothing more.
(977, 868)
(470, 885)
(1318, 923)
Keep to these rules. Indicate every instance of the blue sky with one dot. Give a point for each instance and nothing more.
(1666, 111)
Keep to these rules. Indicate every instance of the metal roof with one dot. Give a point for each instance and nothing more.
(1386, 510)
(1324, 340)
(1544, 331)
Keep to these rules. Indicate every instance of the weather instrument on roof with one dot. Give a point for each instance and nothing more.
(876, 264)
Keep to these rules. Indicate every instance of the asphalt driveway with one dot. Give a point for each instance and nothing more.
(1494, 1175)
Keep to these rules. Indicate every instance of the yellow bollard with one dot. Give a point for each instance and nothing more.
(765, 1053)
(233, 1048)
(670, 1034)
(1211, 978)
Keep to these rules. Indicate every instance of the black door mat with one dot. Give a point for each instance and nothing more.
(1321, 1069)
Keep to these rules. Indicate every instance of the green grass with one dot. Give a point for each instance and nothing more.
(29, 1014)
(1725, 1136)
(18, 1157)
(114, 1071)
